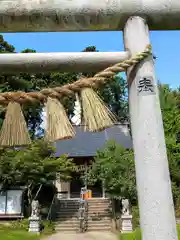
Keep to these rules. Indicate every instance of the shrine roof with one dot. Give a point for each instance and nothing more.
(86, 144)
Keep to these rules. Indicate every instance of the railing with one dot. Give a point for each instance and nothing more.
(83, 213)
(50, 209)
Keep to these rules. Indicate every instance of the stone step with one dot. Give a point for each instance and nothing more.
(98, 200)
(100, 224)
(91, 201)
(63, 205)
(66, 204)
(89, 228)
(66, 229)
(76, 216)
(99, 212)
(90, 223)
(66, 216)
(99, 204)
(105, 206)
(75, 221)
(67, 209)
(90, 210)
(60, 209)
(70, 220)
(93, 209)
(97, 225)
(66, 224)
(99, 207)
(90, 217)
(66, 201)
(97, 228)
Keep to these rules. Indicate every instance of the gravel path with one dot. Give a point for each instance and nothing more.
(83, 236)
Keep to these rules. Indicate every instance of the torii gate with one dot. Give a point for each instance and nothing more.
(157, 216)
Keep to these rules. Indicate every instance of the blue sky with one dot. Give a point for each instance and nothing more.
(166, 46)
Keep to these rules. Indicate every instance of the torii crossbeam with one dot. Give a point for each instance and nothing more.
(85, 15)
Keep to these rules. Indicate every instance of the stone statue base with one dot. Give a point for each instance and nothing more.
(126, 224)
(34, 224)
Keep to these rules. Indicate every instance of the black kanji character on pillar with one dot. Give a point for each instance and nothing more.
(145, 85)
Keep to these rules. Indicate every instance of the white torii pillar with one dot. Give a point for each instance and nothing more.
(157, 217)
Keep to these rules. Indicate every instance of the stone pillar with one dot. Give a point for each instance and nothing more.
(103, 190)
(157, 217)
(126, 224)
(34, 219)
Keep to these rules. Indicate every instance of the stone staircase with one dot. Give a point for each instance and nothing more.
(67, 215)
(98, 215)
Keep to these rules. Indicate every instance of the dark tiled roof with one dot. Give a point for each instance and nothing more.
(85, 144)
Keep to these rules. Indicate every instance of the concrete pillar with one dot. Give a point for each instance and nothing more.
(63, 187)
(157, 217)
(103, 190)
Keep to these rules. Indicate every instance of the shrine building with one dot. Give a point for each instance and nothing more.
(82, 148)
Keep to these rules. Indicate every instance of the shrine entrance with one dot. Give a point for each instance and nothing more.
(134, 18)
(78, 180)
(76, 185)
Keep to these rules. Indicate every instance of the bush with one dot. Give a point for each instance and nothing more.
(135, 213)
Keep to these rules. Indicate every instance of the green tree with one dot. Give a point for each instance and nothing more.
(33, 166)
(114, 166)
(114, 94)
(169, 100)
(22, 82)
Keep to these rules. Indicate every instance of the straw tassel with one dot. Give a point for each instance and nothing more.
(14, 130)
(96, 115)
(58, 124)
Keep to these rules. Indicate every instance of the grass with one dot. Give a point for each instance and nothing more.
(18, 230)
(136, 235)
(17, 235)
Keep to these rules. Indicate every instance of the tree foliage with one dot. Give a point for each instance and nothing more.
(114, 94)
(114, 166)
(170, 106)
(32, 166)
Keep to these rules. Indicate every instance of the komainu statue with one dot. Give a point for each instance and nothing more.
(35, 209)
(125, 206)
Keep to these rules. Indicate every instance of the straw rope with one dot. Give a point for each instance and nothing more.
(70, 89)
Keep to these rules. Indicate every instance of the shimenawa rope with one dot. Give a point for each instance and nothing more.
(96, 115)
(70, 89)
